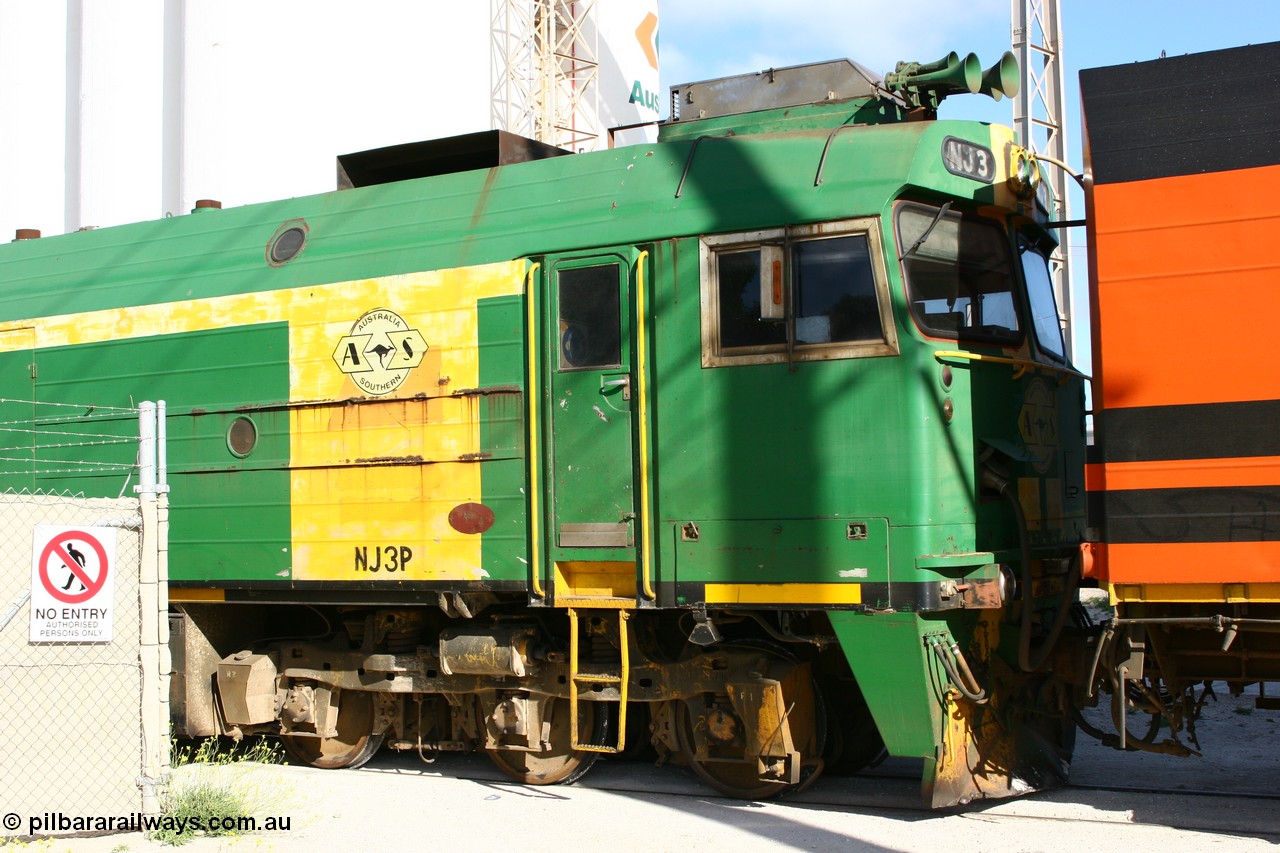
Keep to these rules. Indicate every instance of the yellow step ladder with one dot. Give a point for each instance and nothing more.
(579, 679)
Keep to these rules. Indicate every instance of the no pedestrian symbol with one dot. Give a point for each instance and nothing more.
(72, 584)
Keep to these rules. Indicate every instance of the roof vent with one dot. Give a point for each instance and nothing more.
(774, 88)
(464, 153)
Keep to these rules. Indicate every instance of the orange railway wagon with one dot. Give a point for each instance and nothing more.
(1184, 476)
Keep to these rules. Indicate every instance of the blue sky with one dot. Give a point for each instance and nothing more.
(703, 39)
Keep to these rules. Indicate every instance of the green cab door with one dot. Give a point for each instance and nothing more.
(591, 424)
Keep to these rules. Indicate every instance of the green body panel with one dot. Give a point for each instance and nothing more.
(503, 435)
(903, 688)
(233, 520)
(793, 550)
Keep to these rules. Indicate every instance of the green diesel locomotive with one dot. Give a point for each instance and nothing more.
(757, 443)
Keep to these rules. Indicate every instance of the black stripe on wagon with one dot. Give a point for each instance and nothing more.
(1244, 514)
(1184, 115)
(1199, 431)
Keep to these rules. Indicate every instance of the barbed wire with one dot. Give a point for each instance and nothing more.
(88, 412)
(115, 439)
(89, 407)
(45, 457)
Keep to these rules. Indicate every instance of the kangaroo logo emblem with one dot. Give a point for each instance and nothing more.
(380, 351)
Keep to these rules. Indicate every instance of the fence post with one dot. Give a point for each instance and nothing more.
(153, 639)
(162, 585)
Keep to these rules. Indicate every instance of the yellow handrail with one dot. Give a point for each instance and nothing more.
(1023, 364)
(641, 372)
(535, 453)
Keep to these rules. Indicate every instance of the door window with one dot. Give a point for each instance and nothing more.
(590, 318)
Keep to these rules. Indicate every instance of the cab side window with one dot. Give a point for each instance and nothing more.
(806, 294)
(959, 275)
(834, 291)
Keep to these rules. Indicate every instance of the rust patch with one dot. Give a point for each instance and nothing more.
(391, 460)
(471, 518)
(475, 457)
(482, 200)
(486, 391)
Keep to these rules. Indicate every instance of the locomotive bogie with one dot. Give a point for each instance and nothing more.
(507, 687)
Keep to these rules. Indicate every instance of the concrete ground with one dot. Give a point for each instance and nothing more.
(399, 806)
(463, 803)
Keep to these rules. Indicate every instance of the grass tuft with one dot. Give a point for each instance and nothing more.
(207, 800)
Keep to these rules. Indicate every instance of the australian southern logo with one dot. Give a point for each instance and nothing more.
(380, 351)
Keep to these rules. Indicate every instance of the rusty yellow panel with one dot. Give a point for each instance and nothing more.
(384, 523)
(401, 335)
(783, 593)
(376, 478)
(391, 431)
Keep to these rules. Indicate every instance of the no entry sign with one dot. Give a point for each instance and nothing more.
(72, 584)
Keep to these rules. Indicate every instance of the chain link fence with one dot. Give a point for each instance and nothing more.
(84, 661)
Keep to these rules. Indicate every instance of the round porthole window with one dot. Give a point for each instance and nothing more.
(287, 242)
(242, 437)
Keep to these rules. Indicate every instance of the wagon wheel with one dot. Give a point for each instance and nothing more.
(559, 763)
(352, 746)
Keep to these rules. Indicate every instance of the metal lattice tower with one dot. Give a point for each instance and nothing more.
(1039, 119)
(546, 71)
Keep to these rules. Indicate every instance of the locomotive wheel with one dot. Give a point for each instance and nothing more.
(740, 778)
(560, 764)
(735, 779)
(351, 747)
